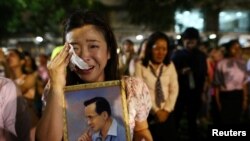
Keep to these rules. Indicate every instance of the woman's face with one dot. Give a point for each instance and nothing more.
(235, 50)
(14, 60)
(28, 61)
(90, 45)
(159, 51)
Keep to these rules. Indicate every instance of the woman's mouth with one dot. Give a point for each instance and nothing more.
(85, 71)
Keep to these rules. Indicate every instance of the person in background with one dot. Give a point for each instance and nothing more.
(4, 67)
(30, 64)
(8, 95)
(99, 117)
(159, 73)
(230, 80)
(26, 82)
(127, 58)
(94, 42)
(191, 66)
(14, 122)
(248, 88)
(141, 50)
(214, 56)
(42, 68)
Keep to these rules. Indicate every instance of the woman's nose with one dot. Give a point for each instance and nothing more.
(85, 55)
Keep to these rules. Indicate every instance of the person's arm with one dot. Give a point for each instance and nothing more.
(28, 84)
(173, 88)
(139, 72)
(143, 99)
(50, 126)
(138, 69)
(141, 131)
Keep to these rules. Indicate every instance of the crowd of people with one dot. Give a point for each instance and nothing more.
(29, 76)
(165, 84)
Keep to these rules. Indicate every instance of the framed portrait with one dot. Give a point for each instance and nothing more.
(78, 122)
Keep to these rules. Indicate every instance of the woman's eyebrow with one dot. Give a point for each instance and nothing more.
(73, 43)
(92, 40)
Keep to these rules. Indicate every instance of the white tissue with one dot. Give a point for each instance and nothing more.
(76, 60)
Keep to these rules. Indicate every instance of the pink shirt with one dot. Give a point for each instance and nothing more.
(231, 74)
(138, 100)
(8, 95)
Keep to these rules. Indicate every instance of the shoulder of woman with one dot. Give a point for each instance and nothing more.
(138, 62)
(132, 79)
(170, 65)
(8, 87)
(134, 83)
(30, 76)
(136, 88)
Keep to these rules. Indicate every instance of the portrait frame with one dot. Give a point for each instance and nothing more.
(75, 123)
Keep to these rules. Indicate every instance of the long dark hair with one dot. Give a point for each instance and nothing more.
(149, 47)
(81, 18)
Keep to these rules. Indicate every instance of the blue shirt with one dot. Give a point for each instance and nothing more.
(116, 132)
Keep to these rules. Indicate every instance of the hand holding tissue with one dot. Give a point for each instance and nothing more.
(76, 60)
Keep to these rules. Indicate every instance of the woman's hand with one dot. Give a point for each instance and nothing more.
(141, 131)
(161, 116)
(57, 67)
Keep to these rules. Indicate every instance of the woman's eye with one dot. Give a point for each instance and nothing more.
(94, 46)
(76, 48)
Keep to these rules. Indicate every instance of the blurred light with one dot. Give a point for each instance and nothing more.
(222, 14)
(228, 17)
(186, 13)
(238, 14)
(201, 20)
(5, 50)
(39, 39)
(186, 19)
(212, 36)
(118, 50)
(178, 37)
(12, 41)
(178, 16)
(139, 37)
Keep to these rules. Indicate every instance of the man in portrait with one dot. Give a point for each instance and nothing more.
(101, 125)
